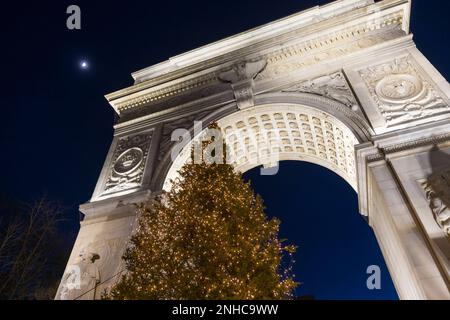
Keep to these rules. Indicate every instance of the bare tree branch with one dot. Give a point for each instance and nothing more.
(25, 247)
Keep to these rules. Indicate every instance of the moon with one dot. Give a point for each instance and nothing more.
(84, 64)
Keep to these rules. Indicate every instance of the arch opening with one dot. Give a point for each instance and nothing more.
(266, 134)
(336, 246)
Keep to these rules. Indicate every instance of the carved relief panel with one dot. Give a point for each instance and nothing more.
(95, 269)
(128, 163)
(401, 93)
(333, 86)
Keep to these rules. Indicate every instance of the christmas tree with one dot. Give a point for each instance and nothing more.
(208, 238)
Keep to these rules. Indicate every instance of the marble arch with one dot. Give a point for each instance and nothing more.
(342, 85)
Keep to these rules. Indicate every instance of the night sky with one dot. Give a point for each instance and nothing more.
(57, 127)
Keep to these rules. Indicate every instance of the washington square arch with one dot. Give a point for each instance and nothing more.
(341, 85)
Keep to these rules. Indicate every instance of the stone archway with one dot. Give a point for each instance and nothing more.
(342, 85)
(275, 132)
(286, 115)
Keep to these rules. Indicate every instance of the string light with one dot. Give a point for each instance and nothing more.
(209, 238)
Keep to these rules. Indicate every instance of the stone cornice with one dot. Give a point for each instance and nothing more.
(282, 26)
(323, 34)
(408, 145)
(165, 113)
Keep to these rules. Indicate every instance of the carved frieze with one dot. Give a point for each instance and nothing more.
(401, 93)
(309, 53)
(333, 86)
(165, 93)
(437, 191)
(128, 163)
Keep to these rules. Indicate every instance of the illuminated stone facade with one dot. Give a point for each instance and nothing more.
(342, 86)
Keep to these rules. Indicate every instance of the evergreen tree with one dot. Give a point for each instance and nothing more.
(209, 238)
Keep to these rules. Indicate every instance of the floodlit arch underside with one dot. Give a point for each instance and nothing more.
(264, 135)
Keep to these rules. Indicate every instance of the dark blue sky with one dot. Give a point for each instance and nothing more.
(319, 214)
(56, 126)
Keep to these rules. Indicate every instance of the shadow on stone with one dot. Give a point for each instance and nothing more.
(437, 189)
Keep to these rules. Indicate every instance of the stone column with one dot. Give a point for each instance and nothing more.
(103, 237)
(415, 247)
